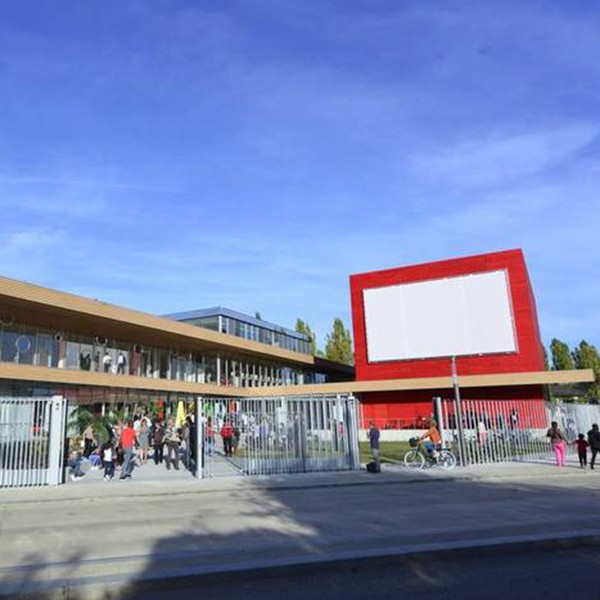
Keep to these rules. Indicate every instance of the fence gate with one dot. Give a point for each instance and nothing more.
(277, 435)
(497, 430)
(31, 441)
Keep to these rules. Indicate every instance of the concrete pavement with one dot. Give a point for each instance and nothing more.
(95, 540)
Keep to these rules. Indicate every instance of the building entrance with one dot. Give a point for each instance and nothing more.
(266, 435)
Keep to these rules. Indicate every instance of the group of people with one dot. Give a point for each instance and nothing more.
(559, 443)
(132, 441)
(230, 436)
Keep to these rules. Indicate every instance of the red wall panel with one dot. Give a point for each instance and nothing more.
(529, 355)
(394, 410)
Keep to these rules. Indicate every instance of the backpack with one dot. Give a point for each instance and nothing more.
(373, 467)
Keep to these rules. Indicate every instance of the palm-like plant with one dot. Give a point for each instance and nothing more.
(102, 425)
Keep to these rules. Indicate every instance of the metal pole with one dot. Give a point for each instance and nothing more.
(437, 411)
(199, 449)
(459, 416)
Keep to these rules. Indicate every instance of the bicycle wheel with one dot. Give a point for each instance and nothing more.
(413, 459)
(446, 460)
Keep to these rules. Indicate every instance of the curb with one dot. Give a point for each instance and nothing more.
(104, 586)
(370, 479)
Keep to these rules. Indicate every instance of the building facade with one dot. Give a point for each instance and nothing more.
(470, 319)
(244, 326)
(90, 351)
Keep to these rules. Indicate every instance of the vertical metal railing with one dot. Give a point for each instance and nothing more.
(278, 435)
(31, 436)
(499, 431)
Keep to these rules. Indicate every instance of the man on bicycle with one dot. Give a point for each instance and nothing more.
(434, 441)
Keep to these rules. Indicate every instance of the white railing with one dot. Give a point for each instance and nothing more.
(31, 441)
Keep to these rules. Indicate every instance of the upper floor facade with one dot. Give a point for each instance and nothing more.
(244, 326)
(43, 331)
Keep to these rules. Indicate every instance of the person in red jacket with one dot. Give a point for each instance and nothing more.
(127, 443)
(227, 435)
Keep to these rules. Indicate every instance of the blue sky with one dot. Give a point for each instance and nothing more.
(168, 155)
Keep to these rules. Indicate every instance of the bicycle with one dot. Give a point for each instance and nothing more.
(417, 459)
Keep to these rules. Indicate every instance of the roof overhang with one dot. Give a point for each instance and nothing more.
(51, 309)
(433, 383)
(85, 378)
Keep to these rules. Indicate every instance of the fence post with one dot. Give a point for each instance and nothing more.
(199, 449)
(352, 426)
(459, 416)
(56, 440)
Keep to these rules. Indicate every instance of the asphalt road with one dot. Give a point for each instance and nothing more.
(543, 574)
(115, 533)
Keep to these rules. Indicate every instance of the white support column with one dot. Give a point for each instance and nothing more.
(55, 442)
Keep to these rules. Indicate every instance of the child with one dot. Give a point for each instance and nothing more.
(95, 460)
(74, 462)
(107, 458)
(582, 447)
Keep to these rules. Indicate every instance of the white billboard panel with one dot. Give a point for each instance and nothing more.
(456, 316)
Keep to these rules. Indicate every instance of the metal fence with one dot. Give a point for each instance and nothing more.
(277, 435)
(497, 431)
(574, 419)
(31, 441)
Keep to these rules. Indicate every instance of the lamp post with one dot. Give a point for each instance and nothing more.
(459, 416)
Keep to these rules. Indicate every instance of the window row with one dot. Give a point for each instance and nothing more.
(33, 346)
(251, 332)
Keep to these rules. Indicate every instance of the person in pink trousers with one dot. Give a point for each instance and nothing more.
(558, 441)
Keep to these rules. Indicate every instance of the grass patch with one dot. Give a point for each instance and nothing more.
(387, 450)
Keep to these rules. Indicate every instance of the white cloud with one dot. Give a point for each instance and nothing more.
(503, 159)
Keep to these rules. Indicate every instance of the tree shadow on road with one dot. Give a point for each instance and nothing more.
(215, 544)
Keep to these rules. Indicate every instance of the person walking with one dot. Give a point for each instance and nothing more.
(209, 437)
(374, 434)
(582, 447)
(594, 442)
(107, 362)
(227, 435)
(121, 363)
(108, 460)
(143, 435)
(127, 443)
(558, 441)
(173, 441)
(89, 441)
(158, 442)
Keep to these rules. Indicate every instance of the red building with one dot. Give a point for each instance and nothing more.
(409, 322)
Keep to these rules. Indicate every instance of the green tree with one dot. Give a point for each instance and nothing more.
(585, 356)
(257, 316)
(338, 345)
(81, 417)
(303, 327)
(561, 356)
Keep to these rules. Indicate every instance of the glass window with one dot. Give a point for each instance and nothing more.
(208, 323)
(9, 350)
(225, 325)
(72, 355)
(265, 336)
(25, 346)
(85, 357)
(44, 355)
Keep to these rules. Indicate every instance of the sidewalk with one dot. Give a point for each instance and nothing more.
(87, 537)
(170, 483)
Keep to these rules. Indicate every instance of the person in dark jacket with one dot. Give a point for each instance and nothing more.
(374, 434)
(158, 442)
(594, 442)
